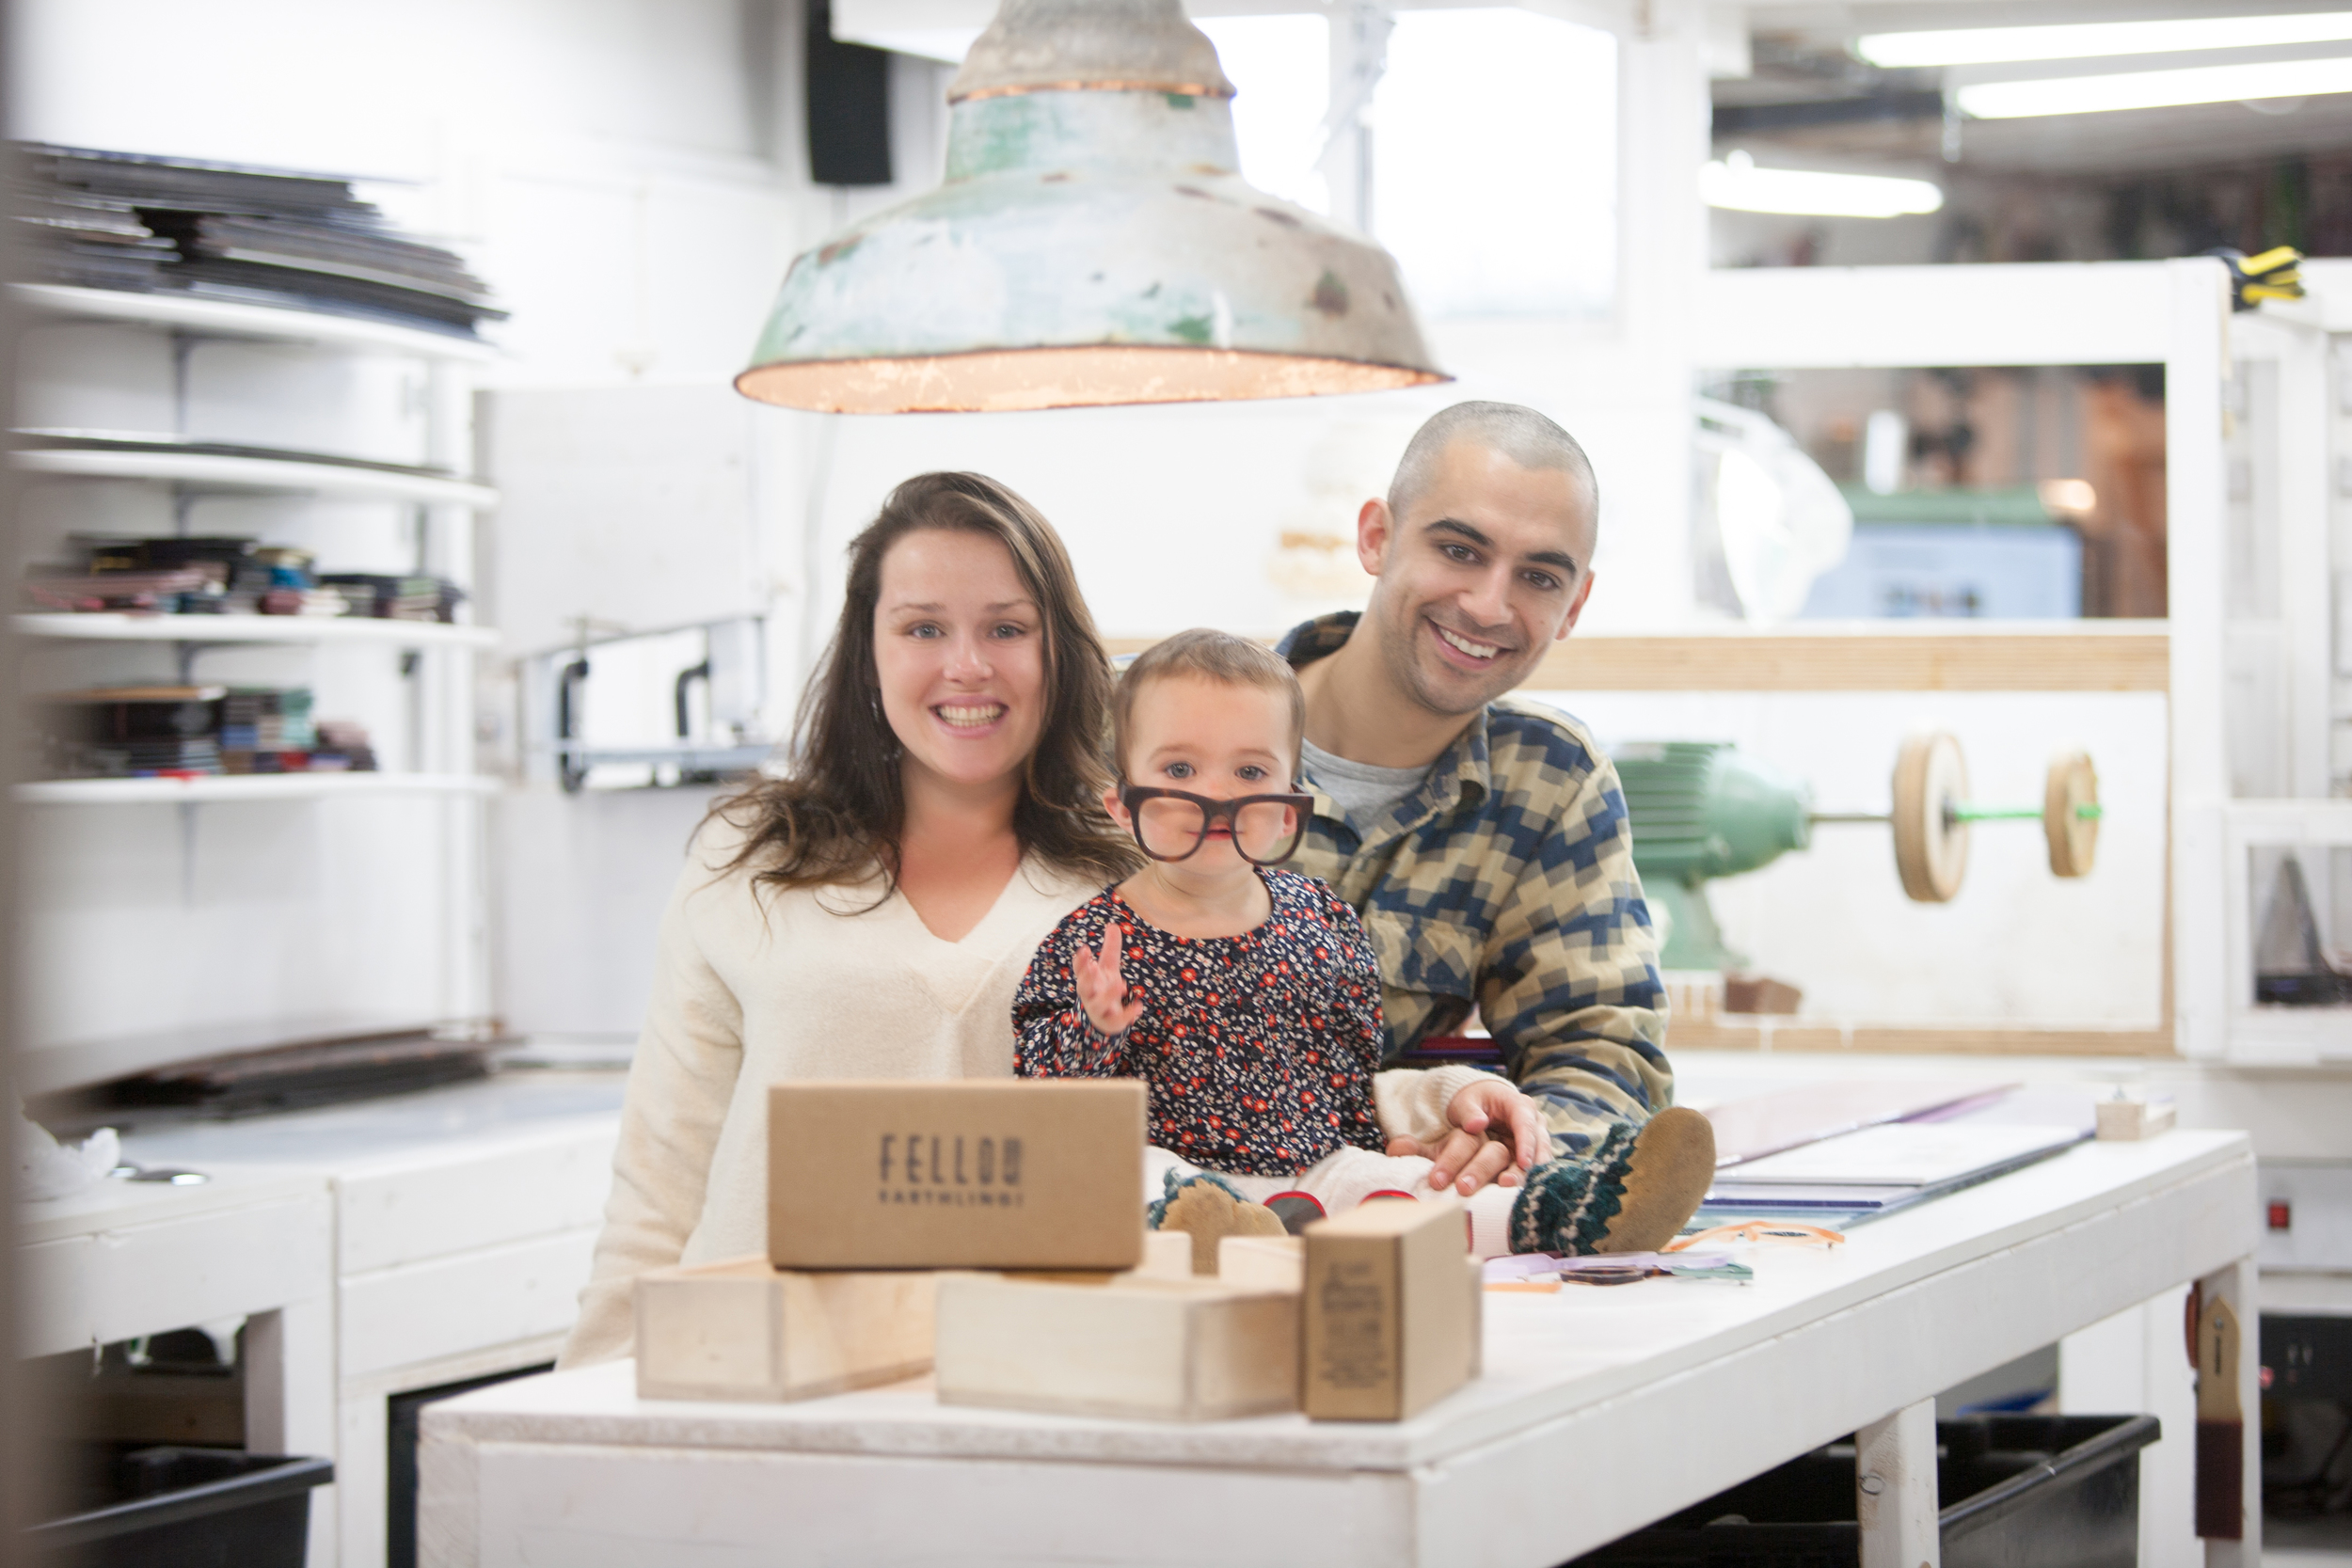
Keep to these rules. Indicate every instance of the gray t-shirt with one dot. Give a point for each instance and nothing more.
(1362, 791)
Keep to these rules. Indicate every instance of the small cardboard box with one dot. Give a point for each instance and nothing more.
(995, 1174)
(1138, 1347)
(746, 1330)
(1392, 1311)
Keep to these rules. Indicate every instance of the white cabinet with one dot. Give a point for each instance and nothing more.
(447, 1236)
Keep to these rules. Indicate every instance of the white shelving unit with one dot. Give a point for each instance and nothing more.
(441, 720)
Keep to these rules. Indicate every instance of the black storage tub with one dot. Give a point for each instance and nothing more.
(184, 1508)
(2018, 1491)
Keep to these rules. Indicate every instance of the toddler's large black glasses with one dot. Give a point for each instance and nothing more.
(1172, 825)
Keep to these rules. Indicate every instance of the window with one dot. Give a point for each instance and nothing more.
(1494, 162)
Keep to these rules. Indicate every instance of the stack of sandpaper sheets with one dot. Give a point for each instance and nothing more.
(119, 220)
(227, 576)
(121, 732)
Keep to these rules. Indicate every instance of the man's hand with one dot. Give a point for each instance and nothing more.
(1102, 992)
(1497, 1135)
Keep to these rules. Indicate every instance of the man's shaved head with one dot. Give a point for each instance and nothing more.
(1521, 434)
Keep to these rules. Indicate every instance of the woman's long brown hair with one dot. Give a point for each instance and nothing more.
(836, 818)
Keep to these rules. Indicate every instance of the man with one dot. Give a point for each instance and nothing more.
(1484, 840)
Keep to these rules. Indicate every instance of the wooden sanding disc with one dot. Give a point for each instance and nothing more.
(1931, 848)
(2073, 837)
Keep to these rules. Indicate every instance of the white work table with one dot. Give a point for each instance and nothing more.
(1600, 1411)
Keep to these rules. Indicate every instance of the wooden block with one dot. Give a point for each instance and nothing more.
(1392, 1311)
(1262, 1262)
(747, 1330)
(1148, 1348)
(2129, 1120)
(1167, 1255)
(975, 1173)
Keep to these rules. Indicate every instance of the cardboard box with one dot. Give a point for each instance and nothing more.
(1392, 1310)
(1138, 1347)
(1263, 1262)
(746, 1330)
(994, 1174)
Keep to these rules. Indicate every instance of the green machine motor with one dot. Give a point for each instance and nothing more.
(1699, 810)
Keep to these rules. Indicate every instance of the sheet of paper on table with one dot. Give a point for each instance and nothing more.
(1907, 1155)
(1757, 1126)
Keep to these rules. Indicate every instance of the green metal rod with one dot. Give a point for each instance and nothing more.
(1957, 813)
(2011, 813)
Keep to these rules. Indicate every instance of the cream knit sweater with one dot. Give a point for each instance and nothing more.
(754, 991)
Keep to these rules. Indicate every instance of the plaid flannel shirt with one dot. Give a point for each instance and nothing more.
(1506, 880)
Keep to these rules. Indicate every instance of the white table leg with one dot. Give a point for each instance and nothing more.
(2133, 1363)
(2236, 1285)
(1894, 1489)
(290, 1400)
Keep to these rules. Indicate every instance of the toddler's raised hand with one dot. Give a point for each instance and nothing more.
(1102, 991)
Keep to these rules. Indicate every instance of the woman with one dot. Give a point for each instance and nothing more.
(870, 914)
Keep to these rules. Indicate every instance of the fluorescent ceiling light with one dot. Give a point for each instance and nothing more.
(1738, 185)
(2082, 40)
(2155, 90)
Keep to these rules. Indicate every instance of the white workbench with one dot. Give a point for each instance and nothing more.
(1600, 1411)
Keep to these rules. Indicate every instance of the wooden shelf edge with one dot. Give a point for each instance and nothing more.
(2072, 660)
(2075, 655)
(1735, 1032)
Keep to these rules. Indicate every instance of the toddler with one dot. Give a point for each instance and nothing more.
(1248, 997)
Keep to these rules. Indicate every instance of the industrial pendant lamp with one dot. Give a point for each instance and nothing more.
(1093, 243)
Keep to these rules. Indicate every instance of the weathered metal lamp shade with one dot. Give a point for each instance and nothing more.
(1092, 244)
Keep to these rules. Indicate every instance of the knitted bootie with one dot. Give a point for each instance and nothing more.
(1209, 1209)
(1631, 1192)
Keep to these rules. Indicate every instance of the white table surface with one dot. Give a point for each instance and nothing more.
(1601, 1410)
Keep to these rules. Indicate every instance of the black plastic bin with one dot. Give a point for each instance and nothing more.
(2017, 1492)
(183, 1508)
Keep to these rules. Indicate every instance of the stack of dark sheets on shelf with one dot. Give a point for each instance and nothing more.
(227, 576)
(128, 732)
(118, 220)
(132, 731)
(283, 1078)
(396, 598)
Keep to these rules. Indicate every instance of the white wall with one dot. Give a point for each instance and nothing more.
(628, 174)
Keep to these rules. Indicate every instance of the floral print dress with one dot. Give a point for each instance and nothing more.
(1258, 1050)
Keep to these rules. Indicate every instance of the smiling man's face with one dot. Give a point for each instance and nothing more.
(1490, 566)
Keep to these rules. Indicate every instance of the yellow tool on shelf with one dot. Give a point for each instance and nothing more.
(2271, 275)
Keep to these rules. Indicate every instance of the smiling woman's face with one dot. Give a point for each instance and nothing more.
(959, 652)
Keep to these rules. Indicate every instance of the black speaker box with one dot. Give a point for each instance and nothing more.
(848, 106)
